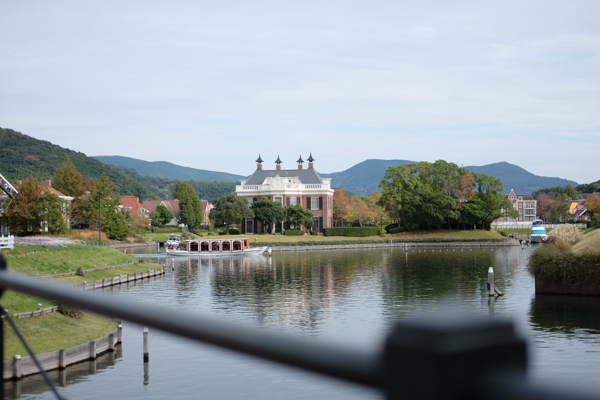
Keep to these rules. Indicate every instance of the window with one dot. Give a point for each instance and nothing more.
(314, 203)
(520, 212)
(278, 199)
(250, 202)
(293, 201)
(330, 206)
(520, 198)
(330, 222)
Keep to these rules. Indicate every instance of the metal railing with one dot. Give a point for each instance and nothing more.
(449, 356)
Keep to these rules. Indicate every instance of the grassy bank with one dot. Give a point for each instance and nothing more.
(47, 261)
(56, 331)
(575, 266)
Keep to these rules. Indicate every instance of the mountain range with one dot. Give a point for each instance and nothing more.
(361, 179)
(22, 156)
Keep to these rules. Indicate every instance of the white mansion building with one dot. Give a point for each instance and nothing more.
(289, 187)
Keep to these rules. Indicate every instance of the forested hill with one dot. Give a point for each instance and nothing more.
(164, 169)
(22, 156)
(363, 178)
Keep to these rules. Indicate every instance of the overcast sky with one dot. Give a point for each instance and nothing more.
(211, 84)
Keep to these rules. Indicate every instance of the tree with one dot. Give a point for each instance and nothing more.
(190, 207)
(90, 205)
(488, 202)
(559, 209)
(570, 192)
(20, 216)
(377, 212)
(229, 210)
(50, 209)
(361, 210)
(593, 206)
(116, 227)
(137, 221)
(297, 216)
(268, 212)
(397, 182)
(341, 200)
(161, 215)
(67, 180)
(543, 205)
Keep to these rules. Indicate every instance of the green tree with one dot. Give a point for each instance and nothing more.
(397, 183)
(116, 227)
(67, 180)
(570, 192)
(50, 209)
(297, 216)
(230, 210)
(21, 217)
(268, 212)
(488, 202)
(161, 215)
(100, 192)
(138, 222)
(190, 207)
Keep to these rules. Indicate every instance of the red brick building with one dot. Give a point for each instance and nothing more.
(524, 203)
(289, 187)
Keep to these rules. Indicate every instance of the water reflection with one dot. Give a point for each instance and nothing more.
(347, 296)
(80, 372)
(565, 314)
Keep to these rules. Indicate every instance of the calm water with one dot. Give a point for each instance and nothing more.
(345, 296)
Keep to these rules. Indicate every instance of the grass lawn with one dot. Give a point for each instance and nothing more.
(588, 243)
(424, 234)
(55, 331)
(46, 261)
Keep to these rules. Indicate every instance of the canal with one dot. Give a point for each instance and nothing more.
(351, 296)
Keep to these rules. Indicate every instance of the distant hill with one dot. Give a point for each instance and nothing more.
(163, 169)
(515, 177)
(364, 177)
(22, 156)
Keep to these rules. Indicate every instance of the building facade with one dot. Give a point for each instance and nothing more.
(525, 204)
(289, 187)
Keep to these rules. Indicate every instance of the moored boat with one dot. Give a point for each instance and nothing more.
(216, 247)
(173, 241)
(538, 232)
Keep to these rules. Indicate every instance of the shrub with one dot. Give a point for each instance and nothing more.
(568, 233)
(80, 271)
(314, 233)
(69, 311)
(554, 262)
(382, 233)
(234, 231)
(352, 231)
(294, 232)
(398, 229)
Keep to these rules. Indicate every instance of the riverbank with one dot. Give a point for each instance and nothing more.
(56, 331)
(559, 268)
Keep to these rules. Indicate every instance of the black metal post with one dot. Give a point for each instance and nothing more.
(100, 218)
(3, 269)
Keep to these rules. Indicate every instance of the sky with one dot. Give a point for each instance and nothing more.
(213, 84)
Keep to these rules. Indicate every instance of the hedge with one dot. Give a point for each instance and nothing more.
(294, 232)
(550, 263)
(352, 232)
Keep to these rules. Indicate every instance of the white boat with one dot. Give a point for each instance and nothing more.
(216, 248)
(538, 232)
(173, 241)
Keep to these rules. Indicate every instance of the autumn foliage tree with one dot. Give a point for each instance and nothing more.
(21, 216)
(593, 206)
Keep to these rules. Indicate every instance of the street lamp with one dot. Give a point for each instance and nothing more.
(100, 218)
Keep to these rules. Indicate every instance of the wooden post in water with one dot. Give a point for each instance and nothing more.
(491, 281)
(120, 334)
(146, 353)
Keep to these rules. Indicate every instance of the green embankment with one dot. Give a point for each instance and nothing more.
(576, 265)
(56, 331)
(590, 242)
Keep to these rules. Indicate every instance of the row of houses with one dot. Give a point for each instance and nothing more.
(127, 203)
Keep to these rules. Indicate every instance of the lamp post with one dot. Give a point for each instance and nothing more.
(100, 218)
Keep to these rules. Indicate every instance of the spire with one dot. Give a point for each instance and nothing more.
(310, 161)
(300, 161)
(259, 162)
(278, 162)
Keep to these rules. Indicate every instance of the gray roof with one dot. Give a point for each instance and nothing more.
(306, 176)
